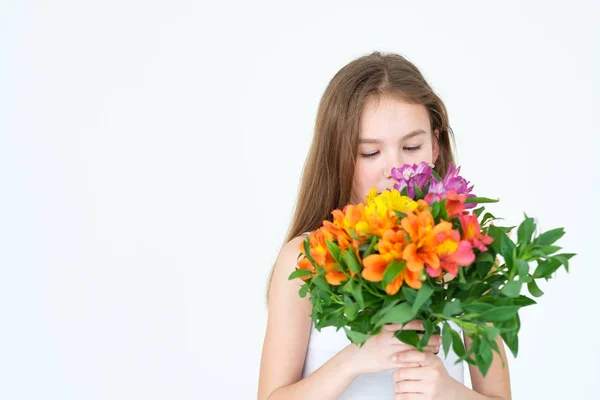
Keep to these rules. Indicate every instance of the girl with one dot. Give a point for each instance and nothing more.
(377, 113)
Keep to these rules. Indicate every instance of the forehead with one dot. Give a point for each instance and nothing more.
(386, 117)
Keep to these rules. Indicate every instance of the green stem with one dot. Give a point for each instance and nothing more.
(466, 325)
(370, 290)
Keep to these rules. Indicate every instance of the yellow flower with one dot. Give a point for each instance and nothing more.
(379, 209)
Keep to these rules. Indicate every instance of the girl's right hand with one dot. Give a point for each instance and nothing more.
(378, 353)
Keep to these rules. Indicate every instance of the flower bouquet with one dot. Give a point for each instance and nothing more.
(423, 251)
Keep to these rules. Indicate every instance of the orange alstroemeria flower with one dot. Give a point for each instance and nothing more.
(452, 253)
(472, 232)
(321, 255)
(455, 203)
(391, 247)
(352, 218)
(421, 229)
(343, 240)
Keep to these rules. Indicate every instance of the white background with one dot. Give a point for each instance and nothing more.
(150, 155)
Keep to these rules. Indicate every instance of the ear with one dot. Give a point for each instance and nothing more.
(436, 146)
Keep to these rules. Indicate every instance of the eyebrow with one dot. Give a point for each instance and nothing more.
(407, 136)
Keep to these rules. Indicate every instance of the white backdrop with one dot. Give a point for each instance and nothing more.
(150, 156)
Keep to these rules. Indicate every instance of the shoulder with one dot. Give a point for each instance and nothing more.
(286, 263)
(289, 252)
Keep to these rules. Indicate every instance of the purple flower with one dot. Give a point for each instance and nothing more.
(452, 181)
(408, 176)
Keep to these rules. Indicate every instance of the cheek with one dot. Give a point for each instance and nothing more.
(426, 154)
(366, 175)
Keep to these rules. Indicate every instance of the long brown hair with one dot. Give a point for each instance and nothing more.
(326, 181)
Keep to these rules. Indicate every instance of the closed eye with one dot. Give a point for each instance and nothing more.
(369, 155)
(411, 149)
(414, 148)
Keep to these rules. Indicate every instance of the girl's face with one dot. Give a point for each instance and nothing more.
(392, 133)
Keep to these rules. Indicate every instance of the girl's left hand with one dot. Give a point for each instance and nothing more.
(428, 381)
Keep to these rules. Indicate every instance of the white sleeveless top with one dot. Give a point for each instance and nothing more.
(325, 344)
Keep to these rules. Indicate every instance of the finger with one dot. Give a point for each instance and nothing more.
(415, 356)
(415, 325)
(396, 363)
(392, 327)
(432, 349)
(435, 340)
(410, 387)
(412, 374)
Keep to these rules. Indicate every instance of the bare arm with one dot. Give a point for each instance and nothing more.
(286, 342)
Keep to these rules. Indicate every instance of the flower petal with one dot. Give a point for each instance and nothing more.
(375, 266)
(464, 254)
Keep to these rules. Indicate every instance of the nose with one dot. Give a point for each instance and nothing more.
(392, 160)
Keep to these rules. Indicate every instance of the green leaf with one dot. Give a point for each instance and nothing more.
(491, 332)
(423, 295)
(457, 343)
(446, 337)
(546, 250)
(509, 335)
(478, 211)
(473, 348)
(545, 269)
(477, 307)
(484, 257)
(371, 246)
(549, 237)
(499, 314)
(321, 283)
(521, 301)
(358, 295)
(356, 337)
(522, 267)
(418, 192)
(435, 208)
(534, 289)
(299, 273)
(495, 233)
(452, 308)
(375, 318)
(525, 231)
(444, 210)
(508, 251)
(351, 261)
(402, 313)
(485, 355)
(335, 251)
(564, 259)
(307, 252)
(392, 271)
(512, 289)
(399, 214)
(436, 175)
(409, 293)
(409, 337)
(351, 311)
(303, 290)
(349, 286)
(479, 200)
(488, 216)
